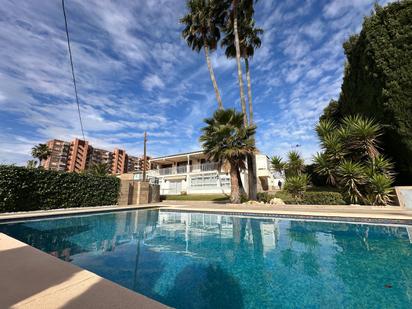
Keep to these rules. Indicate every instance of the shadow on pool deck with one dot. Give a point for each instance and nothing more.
(33, 279)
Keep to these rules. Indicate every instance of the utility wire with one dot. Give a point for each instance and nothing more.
(71, 64)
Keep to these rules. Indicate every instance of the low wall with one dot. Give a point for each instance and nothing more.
(138, 192)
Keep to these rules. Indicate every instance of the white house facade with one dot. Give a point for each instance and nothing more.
(193, 173)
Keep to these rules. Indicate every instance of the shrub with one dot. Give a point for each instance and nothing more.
(323, 198)
(313, 198)
(23, 189)
(296, 185)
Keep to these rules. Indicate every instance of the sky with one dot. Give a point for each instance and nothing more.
(136, 73)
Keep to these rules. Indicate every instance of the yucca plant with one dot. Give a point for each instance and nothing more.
(324, 127)
(296, 185)
(295, 165)
(324, 166)
(278, 164)
(352, 177)
(364, 135)
(380, 165)
(380, 190)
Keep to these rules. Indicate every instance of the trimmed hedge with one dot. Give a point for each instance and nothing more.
(309, 198)
(23, 189)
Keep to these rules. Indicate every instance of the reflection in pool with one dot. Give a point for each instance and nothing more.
(195, 260)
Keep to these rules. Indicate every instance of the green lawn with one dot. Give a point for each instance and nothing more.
(196, 197)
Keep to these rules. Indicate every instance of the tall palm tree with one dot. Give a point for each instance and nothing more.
(236, 9)
(226, 139)
(40, 152)
(201, 30)
(249, 40)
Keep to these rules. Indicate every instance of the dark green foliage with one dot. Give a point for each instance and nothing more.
(323, 198)
(23, 189)
(308, 198)
(378, 81)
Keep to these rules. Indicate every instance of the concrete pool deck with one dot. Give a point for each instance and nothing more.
(31, 278)
(391, 214)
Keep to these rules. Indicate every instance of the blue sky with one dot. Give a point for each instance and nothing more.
(136, 73)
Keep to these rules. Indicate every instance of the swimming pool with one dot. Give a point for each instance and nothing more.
(198, 260)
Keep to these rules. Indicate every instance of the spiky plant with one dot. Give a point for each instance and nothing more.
(296, 185)
(295, 165)
(324, 166)
(380, 165)
(380, 190)
(364, 133)
(325, 126)
(352, 177)
(278, 164)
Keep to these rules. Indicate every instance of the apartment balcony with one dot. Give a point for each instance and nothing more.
(185, 169)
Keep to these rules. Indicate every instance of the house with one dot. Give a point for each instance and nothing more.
(193, 173)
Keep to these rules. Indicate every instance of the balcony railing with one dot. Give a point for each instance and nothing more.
(195, 168)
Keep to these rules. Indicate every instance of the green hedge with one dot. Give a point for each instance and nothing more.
(309, 198)
(23, 189)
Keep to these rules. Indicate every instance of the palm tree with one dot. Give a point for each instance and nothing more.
(249, 37)
(202, 31)
(40, 152)
(237, 10)
(99, 169)
(226, 139)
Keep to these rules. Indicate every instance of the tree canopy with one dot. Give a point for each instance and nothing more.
(378, 81)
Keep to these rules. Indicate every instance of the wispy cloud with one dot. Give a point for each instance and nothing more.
(136, 73)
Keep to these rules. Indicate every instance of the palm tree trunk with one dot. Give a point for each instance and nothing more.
(249, 91)
(251, 159)
(234, 184)
(212, 76)
(241, 188)
(239, 66)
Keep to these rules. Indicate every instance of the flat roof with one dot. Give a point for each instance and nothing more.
(177, 155)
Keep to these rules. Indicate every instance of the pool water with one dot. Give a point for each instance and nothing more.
(195, 260)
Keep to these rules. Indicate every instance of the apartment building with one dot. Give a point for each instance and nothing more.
(193, 173)
(57, 161)
(78, 155)
(135, 164)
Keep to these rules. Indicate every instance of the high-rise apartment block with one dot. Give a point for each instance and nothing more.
(79, 155)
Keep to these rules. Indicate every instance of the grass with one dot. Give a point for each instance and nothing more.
(196, 197)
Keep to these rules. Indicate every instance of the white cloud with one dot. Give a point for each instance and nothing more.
(152, 81)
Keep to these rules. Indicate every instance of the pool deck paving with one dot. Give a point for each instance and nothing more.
(390, 214)
(31, 278)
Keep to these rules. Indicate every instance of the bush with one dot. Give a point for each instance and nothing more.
(23, 189)
(323, 198)
(313, 198)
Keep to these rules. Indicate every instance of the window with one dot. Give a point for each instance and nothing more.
(204, 181)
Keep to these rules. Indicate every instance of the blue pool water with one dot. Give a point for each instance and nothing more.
(195, 260)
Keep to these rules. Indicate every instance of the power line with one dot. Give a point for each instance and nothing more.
(71, 64)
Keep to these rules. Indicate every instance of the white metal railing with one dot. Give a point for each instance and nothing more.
(183, 169)
(205, 167)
